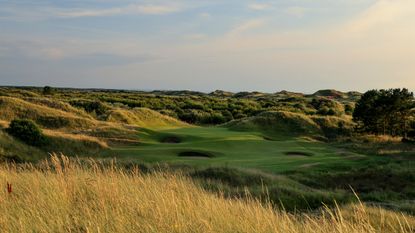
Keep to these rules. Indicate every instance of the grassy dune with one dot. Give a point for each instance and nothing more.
(12, 149)
(277, 123)
(144, 117)
(62, 196)
(45, 116)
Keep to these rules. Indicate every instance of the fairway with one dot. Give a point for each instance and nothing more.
(218, 146)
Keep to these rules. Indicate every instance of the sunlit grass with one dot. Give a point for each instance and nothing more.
(64, 195)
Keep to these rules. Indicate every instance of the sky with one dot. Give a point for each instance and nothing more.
(205, 45)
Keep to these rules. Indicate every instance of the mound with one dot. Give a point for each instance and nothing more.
(59, 105)
(330, 93)
(284, 123)
(4, 91)
(73, 144)
(220, 93)
(293, 124)
(334, 126)
(16, 151)
(144, 117)
(12, 108)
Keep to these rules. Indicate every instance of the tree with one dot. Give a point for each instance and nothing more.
(411, 132)
(27, 131)
(385, 111)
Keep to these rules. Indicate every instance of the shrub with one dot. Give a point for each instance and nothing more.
(348, 108)
(90, 106)
(27, 131)
(411, 133)
(53, 122)
(47, 90)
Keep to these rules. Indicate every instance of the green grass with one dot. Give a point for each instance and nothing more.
(235, 149)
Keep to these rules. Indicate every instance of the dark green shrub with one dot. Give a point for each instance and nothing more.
(91, 106)
(27, 131)
(411, 133)
(53, 122)
(47, 90)
(348, 109)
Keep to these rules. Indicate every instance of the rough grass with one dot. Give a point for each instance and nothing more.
(47, 117)
(279, 121)
(144, 117)
(294, 124)
(74, 144)
(14, 150)
(62, 196)
(57, 104)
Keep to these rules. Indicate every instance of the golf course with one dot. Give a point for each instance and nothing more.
(303, 156)
(220, 146)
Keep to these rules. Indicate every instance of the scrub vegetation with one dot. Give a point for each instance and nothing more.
(296, 161)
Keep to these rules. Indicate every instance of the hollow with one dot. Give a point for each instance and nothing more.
(195, 154)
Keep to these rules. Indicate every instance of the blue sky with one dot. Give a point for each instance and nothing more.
(236, 45)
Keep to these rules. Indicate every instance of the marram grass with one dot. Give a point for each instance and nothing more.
(64, 196)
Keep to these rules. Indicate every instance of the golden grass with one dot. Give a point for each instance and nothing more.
(12, 108)
(62, 196)
(76, 137)
(57, 104)
(144, 117)
(73, 144)
(4, 124)
(379, 138)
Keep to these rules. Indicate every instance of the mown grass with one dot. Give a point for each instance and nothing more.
(244, 149)
(68, 196)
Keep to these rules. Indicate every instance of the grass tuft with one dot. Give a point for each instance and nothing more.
(65, 195)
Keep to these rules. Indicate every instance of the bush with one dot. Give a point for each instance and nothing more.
(53, 122)
(27, 131)
(411, 133)
(90, 106)
(47, 90)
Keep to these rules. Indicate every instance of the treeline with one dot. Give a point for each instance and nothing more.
(387, 112)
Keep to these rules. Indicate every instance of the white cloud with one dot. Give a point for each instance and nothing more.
(296, 11)
(259, 6)
(247, 26)
(384, 13)
(371, 49)
(130, 9)
(205, 15)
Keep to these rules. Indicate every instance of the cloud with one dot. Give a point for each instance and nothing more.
(24, 13)
(205, 15)
(130, 9)
(104, 59)
(383, 13)
(197, 36)
(295, 11)
(247, 26)
(259, 6)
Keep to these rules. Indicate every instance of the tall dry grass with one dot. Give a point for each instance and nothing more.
(64, 196)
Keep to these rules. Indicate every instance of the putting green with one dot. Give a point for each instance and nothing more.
(217, 146)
